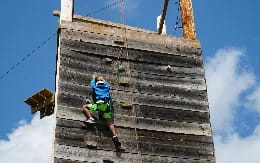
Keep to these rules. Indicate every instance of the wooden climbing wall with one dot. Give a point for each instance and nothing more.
(164, 85)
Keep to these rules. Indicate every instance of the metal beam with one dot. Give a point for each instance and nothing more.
(187, 19)
(165, 6)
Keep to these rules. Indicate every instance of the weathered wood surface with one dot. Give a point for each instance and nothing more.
(78, 101)
(145, 123)
(79, 61)
(58, 160)
(140, 110)
(169, 88)
(133, 54)
(145, 159)
(164, 83)
(155, 107)
(83, 155)
(132, 34)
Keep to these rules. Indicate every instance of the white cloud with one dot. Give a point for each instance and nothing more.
(254, 100)
(226, 82)
(29, 142)
(238, 150)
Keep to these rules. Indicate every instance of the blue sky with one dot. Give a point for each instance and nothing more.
(227, 30)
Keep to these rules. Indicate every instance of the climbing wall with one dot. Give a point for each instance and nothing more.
(158, 91)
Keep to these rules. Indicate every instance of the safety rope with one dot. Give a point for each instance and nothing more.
(128, 73)
(178, 20)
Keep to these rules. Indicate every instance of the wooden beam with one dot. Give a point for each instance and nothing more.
(67, 10)
(85, 19)
(165, 6)
(187, 19)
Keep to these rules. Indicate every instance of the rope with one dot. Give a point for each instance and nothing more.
(124, 35)
(178, 20)
(104, 8)
(33, 52)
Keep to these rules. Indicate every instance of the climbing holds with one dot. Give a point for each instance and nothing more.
(124, 82)
(169, 68)
(108, 60)
(108, 161)
(126, 105)
(91, 144)
(121, 68)
(121, 42)
(88, 101)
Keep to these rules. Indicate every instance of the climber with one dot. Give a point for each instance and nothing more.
(102, 105)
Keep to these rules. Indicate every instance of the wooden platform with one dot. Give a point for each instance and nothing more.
(42, 101)
(164, 83)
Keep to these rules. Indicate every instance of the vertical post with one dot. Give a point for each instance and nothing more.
(67, 7)
(163, 16)
(187, 19)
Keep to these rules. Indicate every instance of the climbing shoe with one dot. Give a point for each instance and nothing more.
(91, 120)
(88, 101)
(116, 142)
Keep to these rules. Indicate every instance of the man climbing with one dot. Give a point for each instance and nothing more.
(102, 105)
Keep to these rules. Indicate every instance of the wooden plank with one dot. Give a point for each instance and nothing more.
(151, 159)
(58, 160)
(33, 103)
(83, 78)
(84, 154)
(46, 93)
(185, 138)
(76, 77)
(170, 114)
(98, 38)
(140, 133)
(171, 102)
(79, 82)
(143, 134)
(39, 98)
(47, 110)
(79, 18)
(128, 137)
(162, 125)
(72, 133)
(177, 151)
(131, 34)
(73, 100)
(143, 123)
(113, 70)
(102, 136)
(84, 63)
(140, 56)
(156, 159)
(153, 110)
(153, 146)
